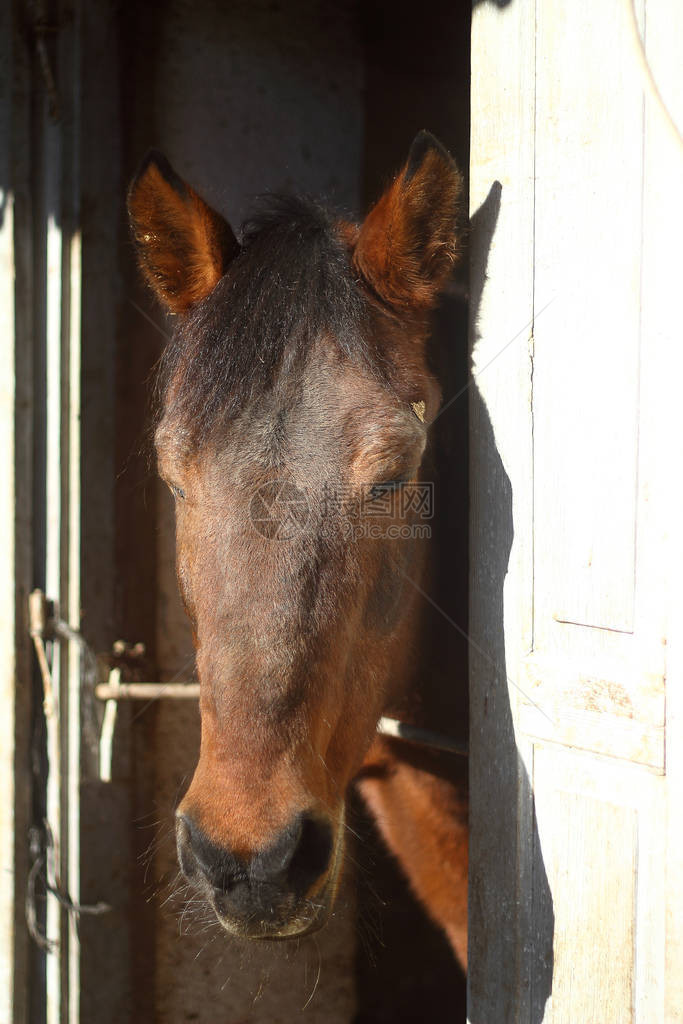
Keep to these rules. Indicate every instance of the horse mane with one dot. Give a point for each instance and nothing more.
(291, 281)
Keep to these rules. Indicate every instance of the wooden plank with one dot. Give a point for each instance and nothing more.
(599, 732)
(594, 908)
(598, 820)
(630, 689)
(501, 172)
(613, 707)
(673, 829)
(18, 225)
(587, 255)
(660, 544)
(9, 841)
(594, 726)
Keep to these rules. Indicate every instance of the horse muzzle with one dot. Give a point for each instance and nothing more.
(285, 890)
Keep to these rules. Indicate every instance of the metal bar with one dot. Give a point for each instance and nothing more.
(416, 734)
(43, 626)
(56, 980)
(61, 651)
(108, 725)
(71, 413)
(386, 726)
(147, 691)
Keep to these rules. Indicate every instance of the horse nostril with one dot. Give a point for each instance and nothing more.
(200, 857)
(311, 857)
(186, 857)
(297, 857)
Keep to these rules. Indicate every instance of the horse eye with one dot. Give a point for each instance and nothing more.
(177, 492)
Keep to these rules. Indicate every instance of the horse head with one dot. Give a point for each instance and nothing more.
(295, 404)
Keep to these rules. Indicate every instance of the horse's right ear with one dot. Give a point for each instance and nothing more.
(408, 244)
(183, 246)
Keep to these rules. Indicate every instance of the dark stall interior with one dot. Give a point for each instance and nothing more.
(244, 97)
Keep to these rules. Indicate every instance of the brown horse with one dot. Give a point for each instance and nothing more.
(296, 400)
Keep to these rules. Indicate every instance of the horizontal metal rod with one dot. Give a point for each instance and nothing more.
(182, 691)
(416, 734)
(147, 691)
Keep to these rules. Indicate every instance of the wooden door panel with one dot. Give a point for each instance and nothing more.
(583, 427)
(614, 707)
(588, 225)
(597, 819)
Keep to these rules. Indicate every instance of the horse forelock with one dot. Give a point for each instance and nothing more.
(291, 283)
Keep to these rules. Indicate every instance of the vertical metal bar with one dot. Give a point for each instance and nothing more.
(61, 191)
(73, 717)
(70, 591)
(53, 552)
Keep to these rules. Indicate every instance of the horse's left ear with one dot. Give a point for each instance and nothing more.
(407, 244)
(184, 247)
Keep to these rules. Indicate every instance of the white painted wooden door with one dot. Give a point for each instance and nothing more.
(576, 885)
